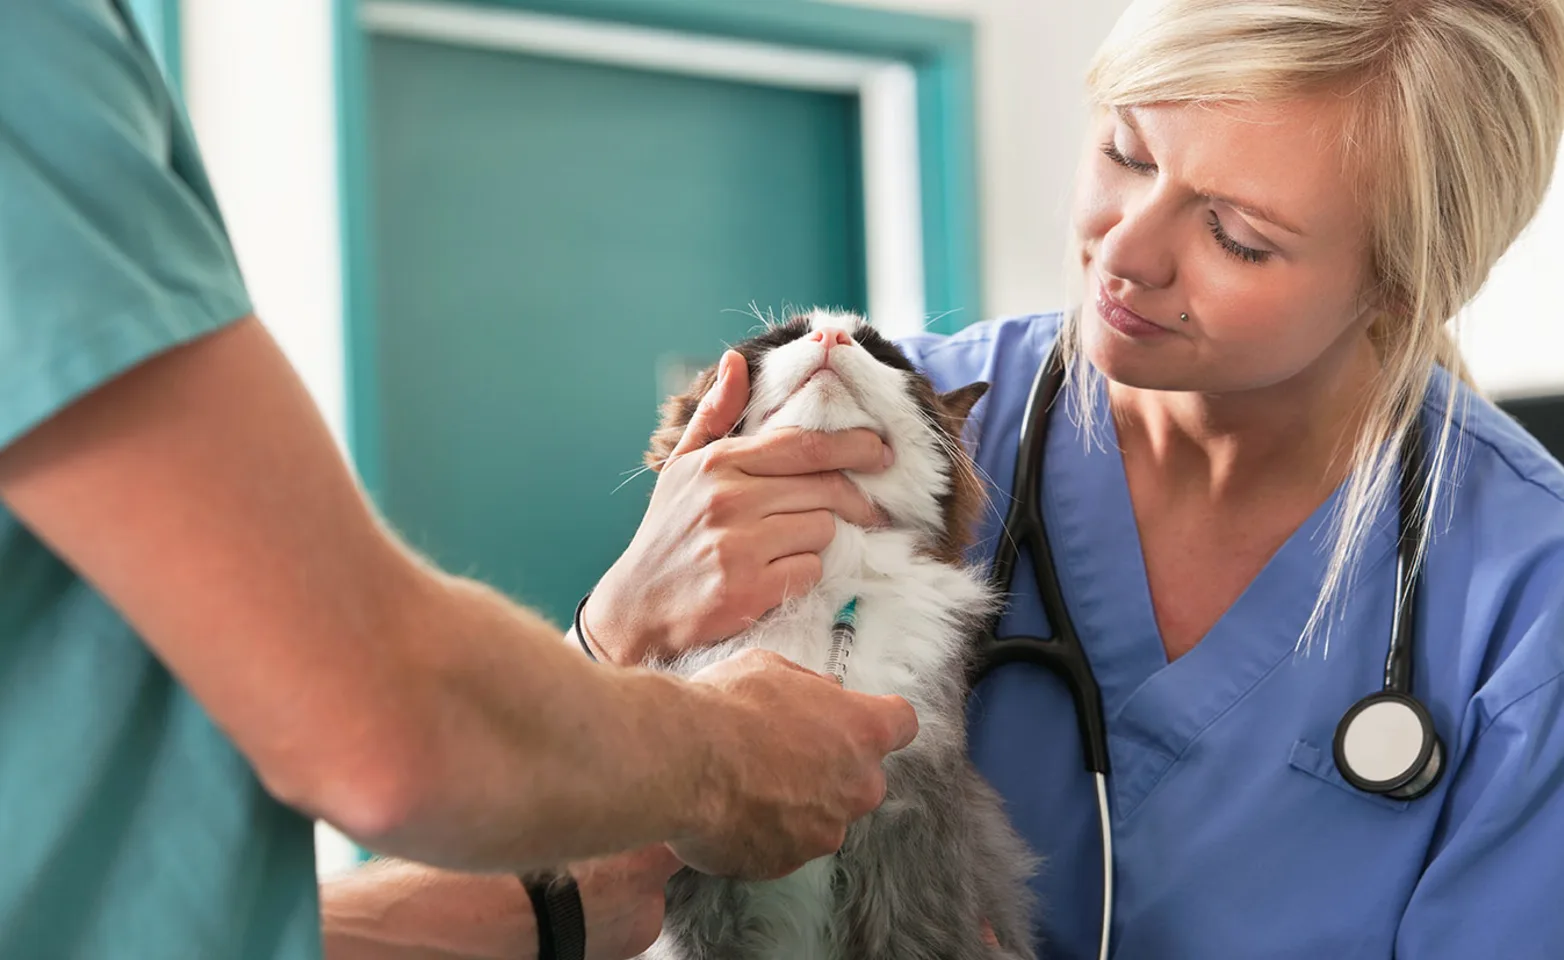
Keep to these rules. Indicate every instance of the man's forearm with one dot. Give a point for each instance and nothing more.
(532, 753)
(389, 910)
(203, 496)
(401, 911)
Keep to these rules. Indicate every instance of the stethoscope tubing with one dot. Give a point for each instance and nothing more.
(1064, 655)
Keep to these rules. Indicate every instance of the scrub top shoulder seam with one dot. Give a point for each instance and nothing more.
(1516, 701)
(986, 333)
(1535, 474)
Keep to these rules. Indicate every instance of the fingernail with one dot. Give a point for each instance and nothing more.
(722, 371)
(890, 455)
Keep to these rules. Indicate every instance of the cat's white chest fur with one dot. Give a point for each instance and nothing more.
(908, 617)
(912, 619)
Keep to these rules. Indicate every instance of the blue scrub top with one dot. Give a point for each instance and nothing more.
(1235, 836)
(130, 827)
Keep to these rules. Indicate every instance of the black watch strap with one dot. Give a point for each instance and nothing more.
(575, 625)
(561, 921)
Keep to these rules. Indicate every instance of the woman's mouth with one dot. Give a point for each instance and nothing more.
(1126, 321)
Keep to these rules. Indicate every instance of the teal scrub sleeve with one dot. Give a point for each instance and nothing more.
(1493, 886)
(111, 245)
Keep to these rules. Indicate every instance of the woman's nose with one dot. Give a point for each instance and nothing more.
(1139, 247)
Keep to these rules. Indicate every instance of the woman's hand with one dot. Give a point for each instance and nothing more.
(735, 526)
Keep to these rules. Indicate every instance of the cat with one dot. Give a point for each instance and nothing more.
(918, 878)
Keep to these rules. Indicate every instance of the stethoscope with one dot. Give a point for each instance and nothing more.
(1385, 744)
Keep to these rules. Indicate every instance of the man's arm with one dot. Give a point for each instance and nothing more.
(400, 911)
(424, 715)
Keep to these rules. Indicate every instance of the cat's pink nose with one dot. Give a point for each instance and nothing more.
(832, 337)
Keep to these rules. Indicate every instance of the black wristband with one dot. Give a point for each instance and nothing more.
(581, 636)
(558, 914)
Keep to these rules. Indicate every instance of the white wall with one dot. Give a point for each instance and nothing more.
(1032, 57)
(259, 88)
(1513, 334)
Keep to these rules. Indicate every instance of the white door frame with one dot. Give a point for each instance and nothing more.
(887, 91)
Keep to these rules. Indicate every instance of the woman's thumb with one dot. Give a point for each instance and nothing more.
(722, 406)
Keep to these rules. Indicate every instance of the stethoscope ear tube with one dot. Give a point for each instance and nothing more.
(1062, 653)
(1386, 744)
(999, 651)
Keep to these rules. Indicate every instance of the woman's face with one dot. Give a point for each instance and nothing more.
(1242, 217)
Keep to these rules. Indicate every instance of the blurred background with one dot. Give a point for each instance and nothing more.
(493, 234)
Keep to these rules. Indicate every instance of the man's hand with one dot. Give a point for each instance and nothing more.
(623, 899)
(735, 526)
(801, 761)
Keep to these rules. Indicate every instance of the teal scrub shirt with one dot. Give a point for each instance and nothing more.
(130, 826)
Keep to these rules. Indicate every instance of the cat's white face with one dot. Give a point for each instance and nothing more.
(820, 375)
(832, 371)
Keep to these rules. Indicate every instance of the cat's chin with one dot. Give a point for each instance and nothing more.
(822, 420)
(824, 403)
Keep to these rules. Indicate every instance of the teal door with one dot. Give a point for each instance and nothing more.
(548, 236)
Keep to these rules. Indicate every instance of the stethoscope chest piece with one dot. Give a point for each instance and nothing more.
(1386, 744)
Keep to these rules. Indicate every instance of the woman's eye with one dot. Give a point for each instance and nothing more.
(1117, 156)
(1246, 254)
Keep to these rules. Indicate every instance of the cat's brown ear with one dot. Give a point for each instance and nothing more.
(958, 403)
(677, 411)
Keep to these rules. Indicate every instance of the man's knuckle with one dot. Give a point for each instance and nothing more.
(871, 793)
(836, 837)
(761, 658)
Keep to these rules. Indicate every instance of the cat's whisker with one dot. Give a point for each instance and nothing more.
(754, 311)
(959, 456)
(632, 477)
(938, 317)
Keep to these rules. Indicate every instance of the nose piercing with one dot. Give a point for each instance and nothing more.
(1183, 318)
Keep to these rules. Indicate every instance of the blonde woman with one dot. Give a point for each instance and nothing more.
(1280, 207)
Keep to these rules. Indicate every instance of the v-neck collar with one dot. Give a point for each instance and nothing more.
(1156, 708)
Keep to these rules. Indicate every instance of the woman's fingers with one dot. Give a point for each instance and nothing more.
(785, 534)
(789, 577)
(722, 406)
(751, 500)
(820, 491)
(792, 452)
